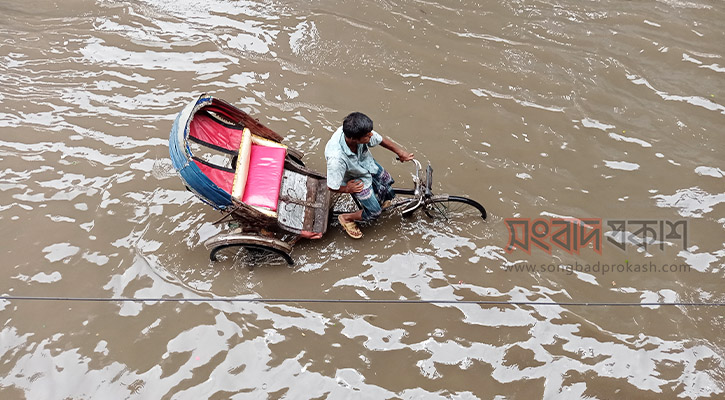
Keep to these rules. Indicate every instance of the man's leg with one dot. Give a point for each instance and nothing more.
(370, 210)
(348, 222)
(383, 185)
(370, 206)
(352, 217)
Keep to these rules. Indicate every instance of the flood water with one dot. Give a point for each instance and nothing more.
(610, 110)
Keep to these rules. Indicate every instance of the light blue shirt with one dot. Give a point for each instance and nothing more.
(344, 165)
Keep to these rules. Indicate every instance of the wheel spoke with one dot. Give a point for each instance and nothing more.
(442, 209)
(454, 208)
(250, 255)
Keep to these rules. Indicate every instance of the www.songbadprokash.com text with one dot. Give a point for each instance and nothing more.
(599, 268)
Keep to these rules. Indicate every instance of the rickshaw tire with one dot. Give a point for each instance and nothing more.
(281, 253)
(455, 199)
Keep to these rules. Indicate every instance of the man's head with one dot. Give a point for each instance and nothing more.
(357, 126)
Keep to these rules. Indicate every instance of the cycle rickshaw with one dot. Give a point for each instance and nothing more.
(240, 167)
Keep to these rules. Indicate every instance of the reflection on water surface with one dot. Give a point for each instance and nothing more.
(600, 110)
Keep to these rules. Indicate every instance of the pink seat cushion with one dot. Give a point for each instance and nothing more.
(266, 166)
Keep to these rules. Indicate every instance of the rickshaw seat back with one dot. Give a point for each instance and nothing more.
(258, 176)
(304, 201)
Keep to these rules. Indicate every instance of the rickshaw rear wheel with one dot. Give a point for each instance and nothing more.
(215, 251)
(252, 241)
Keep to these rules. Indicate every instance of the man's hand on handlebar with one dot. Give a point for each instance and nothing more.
(405, 156)
(402, 154)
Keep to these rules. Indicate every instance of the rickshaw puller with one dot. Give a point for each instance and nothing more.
(352, 169)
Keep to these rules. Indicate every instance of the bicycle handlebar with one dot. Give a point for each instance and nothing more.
(417, 163)
(417, 181)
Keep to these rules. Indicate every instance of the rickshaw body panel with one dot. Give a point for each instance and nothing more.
(304, 199)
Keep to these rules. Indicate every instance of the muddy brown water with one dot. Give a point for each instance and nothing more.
(611, 110)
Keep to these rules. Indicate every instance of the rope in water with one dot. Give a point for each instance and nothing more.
(358, 301)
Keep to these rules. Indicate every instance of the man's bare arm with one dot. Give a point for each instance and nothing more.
(402, 154)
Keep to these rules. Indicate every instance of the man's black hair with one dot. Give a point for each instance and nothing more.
(357, 125)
